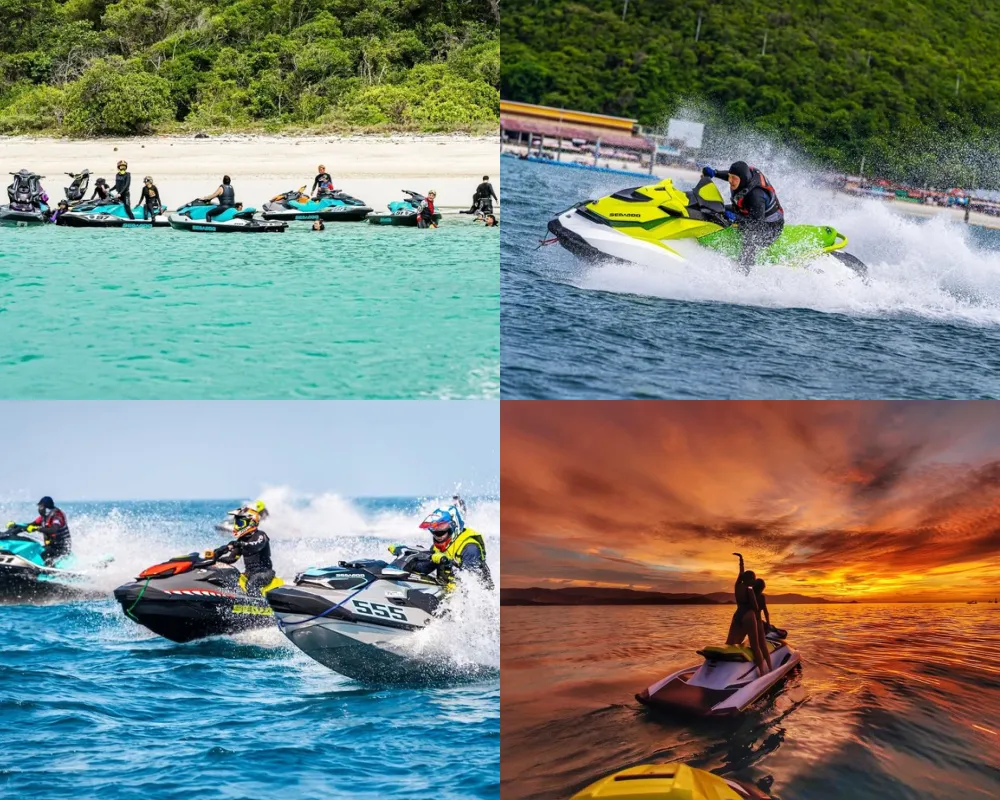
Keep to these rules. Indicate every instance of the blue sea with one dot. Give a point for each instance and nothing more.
(357, 311)
(94, 706)
(927, 326)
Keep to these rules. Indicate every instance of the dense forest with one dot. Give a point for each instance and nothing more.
(911, 87)
(94, 67)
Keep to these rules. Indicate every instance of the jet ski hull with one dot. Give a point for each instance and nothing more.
(405, 220)
(81, 219)
(19, 219)
(341, 214)
(718, 687)
(590, 240)
(185, 614)
(233, 226)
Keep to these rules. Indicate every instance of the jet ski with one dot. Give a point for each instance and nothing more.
(109, 214)
(725, 683)
(357, 618)
(76, 192)
(24, 573)
(401, 212)
(335, 206)
(28, 201)
(190, 597)
(669, 782)
(644, 224)
(191, 217)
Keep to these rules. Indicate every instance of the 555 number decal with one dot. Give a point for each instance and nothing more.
(378, 610)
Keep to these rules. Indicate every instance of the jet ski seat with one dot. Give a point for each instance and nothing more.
(734, 652)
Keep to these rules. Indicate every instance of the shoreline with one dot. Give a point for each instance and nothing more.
(374, 168)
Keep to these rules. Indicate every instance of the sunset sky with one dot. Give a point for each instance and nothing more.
(849, 500)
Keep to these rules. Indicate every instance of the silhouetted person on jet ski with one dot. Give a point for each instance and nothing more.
(456, 548)
(226, 195)
(758, 590)
(252, 545)
(755, 209)
(123, 186)
(746, 617)
(51, 523)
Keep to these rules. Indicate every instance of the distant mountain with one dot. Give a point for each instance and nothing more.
(594, 596)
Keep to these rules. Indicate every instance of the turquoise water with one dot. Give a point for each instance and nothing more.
(93, 705)
(354, 312)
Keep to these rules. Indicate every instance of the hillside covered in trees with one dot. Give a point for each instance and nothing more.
(94, 67)
(912, 86)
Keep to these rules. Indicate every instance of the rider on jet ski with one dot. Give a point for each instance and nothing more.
(456, 548)
(755, 208)
(51, 522)
(252, 545)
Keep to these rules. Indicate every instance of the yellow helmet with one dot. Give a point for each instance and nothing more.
(245, 520)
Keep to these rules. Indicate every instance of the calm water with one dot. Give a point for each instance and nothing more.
(927, 326)
(356, 311)
(93, 705)
(893, 702)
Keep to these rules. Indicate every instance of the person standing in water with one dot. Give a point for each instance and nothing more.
(746, 616)
(150, 199)
(425, 213)
(226, 195)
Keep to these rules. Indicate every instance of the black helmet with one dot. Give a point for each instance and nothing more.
(46, 502)
(742, 171)
(101, 182)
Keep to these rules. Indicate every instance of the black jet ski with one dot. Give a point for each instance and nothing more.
(190, 597)
(28, 201)
(358, 618)
(329, 206)
(725, 683)
(192, 217)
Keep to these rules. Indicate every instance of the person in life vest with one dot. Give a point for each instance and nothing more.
(226, 195)
(426, 212)
(755, 209)
(457, 549)
(253, 546)
(51, 523)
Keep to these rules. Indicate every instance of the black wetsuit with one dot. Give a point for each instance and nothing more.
(482, 200)
(255, 550)
(226, 200)
(323, 177)
(123, 185)
(100, 192)
(759, 224)
(150, 201)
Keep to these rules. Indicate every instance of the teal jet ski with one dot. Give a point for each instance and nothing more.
(192, 217)
(109, 214)
(335, 206)
(402, 212)
(24, 573)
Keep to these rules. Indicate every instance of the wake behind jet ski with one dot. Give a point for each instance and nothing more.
(28, 201)
(643, 225)
(725, 683)
(191, 217)
(402, 212)
(359, 617)
(190, 597)
(329, 206)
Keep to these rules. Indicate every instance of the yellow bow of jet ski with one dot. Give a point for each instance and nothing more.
(644, 225)
(668, 782)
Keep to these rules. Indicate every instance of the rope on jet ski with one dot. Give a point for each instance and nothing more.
(543, 242)
(128, 611)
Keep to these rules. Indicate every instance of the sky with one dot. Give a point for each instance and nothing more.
(155, 450)
(843, 500)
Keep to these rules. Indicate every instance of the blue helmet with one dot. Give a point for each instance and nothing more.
(444, 520)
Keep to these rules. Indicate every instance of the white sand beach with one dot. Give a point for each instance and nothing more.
(373, 168)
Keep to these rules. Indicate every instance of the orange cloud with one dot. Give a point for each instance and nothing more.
(875, 500)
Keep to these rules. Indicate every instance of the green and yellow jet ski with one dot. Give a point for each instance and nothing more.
(644, 226)
(668, 782)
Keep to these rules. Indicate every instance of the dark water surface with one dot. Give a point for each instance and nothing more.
(892, 702)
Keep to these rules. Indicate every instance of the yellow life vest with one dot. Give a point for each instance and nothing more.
(446, 573)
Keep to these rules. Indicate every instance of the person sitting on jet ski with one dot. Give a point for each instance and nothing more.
(323, 182)
(755, 209)
(746, 617)
(456, 548)
(252, 545)
(100, 189)
(51, 523)
(123, 186)
(226, 195)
